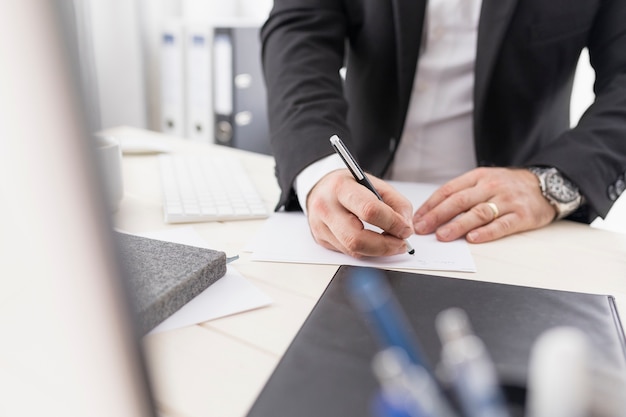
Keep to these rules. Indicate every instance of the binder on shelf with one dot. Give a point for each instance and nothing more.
(239, 96)
(327, 371)
(199, 118)
(172, 50)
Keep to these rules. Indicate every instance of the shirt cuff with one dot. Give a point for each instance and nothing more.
(309, 176)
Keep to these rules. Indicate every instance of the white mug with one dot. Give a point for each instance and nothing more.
(109, 159)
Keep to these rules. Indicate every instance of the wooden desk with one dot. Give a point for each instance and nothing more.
(219, 367)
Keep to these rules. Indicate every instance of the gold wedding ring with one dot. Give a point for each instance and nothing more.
(494, 209)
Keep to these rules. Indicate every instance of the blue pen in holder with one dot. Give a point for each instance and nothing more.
(372, 296)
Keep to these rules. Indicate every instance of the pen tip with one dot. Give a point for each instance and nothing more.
(412, 252)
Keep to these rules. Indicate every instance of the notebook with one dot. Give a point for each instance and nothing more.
(326, 371)
(164, 276)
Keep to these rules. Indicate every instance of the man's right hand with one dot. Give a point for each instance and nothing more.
(336, 206)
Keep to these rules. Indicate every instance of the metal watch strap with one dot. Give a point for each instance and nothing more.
(563, 209)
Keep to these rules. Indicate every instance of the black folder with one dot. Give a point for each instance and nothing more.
(326, 371)
(245, 126)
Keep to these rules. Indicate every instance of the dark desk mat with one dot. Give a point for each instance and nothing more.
(326, 371)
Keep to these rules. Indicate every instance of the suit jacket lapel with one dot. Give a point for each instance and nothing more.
(409, 18)
(494, 20)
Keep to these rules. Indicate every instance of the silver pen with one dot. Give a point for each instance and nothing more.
(467, 364)
(359, 175)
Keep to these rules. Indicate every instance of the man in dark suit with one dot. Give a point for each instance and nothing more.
(525, 166)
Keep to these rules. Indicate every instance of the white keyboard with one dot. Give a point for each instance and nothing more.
(206, 188)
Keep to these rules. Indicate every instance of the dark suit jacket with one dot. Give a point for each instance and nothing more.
(526, 58)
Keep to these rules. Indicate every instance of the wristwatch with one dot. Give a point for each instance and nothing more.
(560, 192)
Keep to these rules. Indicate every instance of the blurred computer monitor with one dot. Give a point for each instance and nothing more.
(68, 346)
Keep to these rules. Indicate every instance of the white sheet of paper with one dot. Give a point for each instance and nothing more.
(285, 237)
(230, 294)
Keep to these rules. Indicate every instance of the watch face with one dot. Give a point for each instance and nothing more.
(560, 188)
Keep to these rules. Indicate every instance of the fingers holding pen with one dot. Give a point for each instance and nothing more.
(392, 215)
(358, 242)
(336, 205)
(393, 198)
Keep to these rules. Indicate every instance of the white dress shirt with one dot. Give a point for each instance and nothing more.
(437, 143)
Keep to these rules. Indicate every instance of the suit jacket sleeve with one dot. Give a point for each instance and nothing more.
(303, 51)
(593, 154)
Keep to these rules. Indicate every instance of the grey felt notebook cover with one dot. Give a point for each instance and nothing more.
(164, 276)
(327, 369)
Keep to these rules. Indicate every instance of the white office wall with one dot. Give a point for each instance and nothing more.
(582, 94)
(118, 62)
(254, 8)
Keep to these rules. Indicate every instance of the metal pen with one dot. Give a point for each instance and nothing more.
(407, 389)
(358, 174)
(469, 368)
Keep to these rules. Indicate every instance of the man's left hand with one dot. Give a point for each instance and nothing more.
(485, 204)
